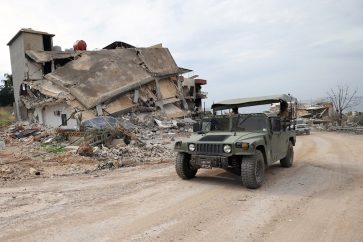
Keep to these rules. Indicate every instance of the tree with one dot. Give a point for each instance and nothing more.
(6, 91)
(8, 80)
(343, 98)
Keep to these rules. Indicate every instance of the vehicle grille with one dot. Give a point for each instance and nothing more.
(209, 149)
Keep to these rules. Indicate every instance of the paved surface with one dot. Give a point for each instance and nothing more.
(318, 199)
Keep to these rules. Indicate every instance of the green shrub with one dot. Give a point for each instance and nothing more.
(6, 96)
(53, 148)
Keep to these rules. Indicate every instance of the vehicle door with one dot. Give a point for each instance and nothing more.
(276, 139)
(285, 135)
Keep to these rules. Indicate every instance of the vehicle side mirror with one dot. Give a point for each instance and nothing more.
(197, 127)
(275, 124)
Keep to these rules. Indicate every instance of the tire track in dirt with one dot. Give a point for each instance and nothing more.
(327, 214)
(319, 193)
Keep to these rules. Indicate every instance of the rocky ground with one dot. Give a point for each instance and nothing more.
(30, 151)
(318, 199)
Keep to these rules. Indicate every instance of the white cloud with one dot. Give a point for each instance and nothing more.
(240, 47)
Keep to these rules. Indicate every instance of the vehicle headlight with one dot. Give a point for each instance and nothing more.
(191, 147)
(227, 148)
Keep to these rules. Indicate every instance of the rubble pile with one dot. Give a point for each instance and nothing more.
(149, 140)
(34, 150)
(133, 155)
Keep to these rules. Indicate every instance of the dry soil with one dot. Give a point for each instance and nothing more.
(318, 199)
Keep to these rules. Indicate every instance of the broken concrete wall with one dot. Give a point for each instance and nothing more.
(17, 64)
(59, 116)
(33, 70)
(148, 94)
(37, 115)
(119, 106)
(189, 88)
(168, 89)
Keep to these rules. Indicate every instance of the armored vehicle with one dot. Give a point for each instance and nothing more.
(245, 144)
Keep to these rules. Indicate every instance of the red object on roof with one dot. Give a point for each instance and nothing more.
(200, 81)
(80, 45)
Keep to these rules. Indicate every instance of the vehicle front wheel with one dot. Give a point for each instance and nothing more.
(289, 158)
(253, 170)
(183, 167)
(307, 132)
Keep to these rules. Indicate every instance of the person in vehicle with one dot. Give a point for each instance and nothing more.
(284, 112)
(235, 110)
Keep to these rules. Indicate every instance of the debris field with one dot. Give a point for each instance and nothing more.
(32, 150)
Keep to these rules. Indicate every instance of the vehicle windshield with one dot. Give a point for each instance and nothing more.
(229, 123)
(216, 123)
(250, 123)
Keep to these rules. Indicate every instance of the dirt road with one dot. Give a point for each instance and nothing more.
(319, 199)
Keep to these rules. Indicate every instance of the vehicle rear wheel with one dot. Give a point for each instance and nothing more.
(253, 170)
(183, 167)
(289, 158)
(307, 132)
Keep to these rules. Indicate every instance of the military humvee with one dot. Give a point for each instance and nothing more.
(242, 143)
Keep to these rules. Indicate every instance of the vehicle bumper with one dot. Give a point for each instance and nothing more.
(209, 161)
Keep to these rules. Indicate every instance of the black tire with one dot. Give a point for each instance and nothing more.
(289, 158)
(236, 167)
(183, 167)
(308, 132)
(253, 170)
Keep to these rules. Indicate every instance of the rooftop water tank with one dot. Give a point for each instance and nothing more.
(80, 45)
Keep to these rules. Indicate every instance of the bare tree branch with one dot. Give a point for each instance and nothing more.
(342, 98)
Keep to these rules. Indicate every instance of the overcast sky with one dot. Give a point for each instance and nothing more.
(243, 48)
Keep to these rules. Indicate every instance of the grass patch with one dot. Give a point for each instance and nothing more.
(53, 148)
(5, 117)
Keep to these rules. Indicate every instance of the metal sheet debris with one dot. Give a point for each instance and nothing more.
(101, 122)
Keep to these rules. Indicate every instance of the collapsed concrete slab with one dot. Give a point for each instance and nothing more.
(107, 82)
(98, 76)
(45, 56)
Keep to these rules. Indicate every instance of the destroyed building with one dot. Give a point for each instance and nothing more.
(317, 112)
(63, 88)
(192, 90)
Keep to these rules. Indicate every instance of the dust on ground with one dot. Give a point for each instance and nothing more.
(318, 199)
(29, 150)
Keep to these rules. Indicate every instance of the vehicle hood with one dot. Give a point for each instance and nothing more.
(226, 137)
